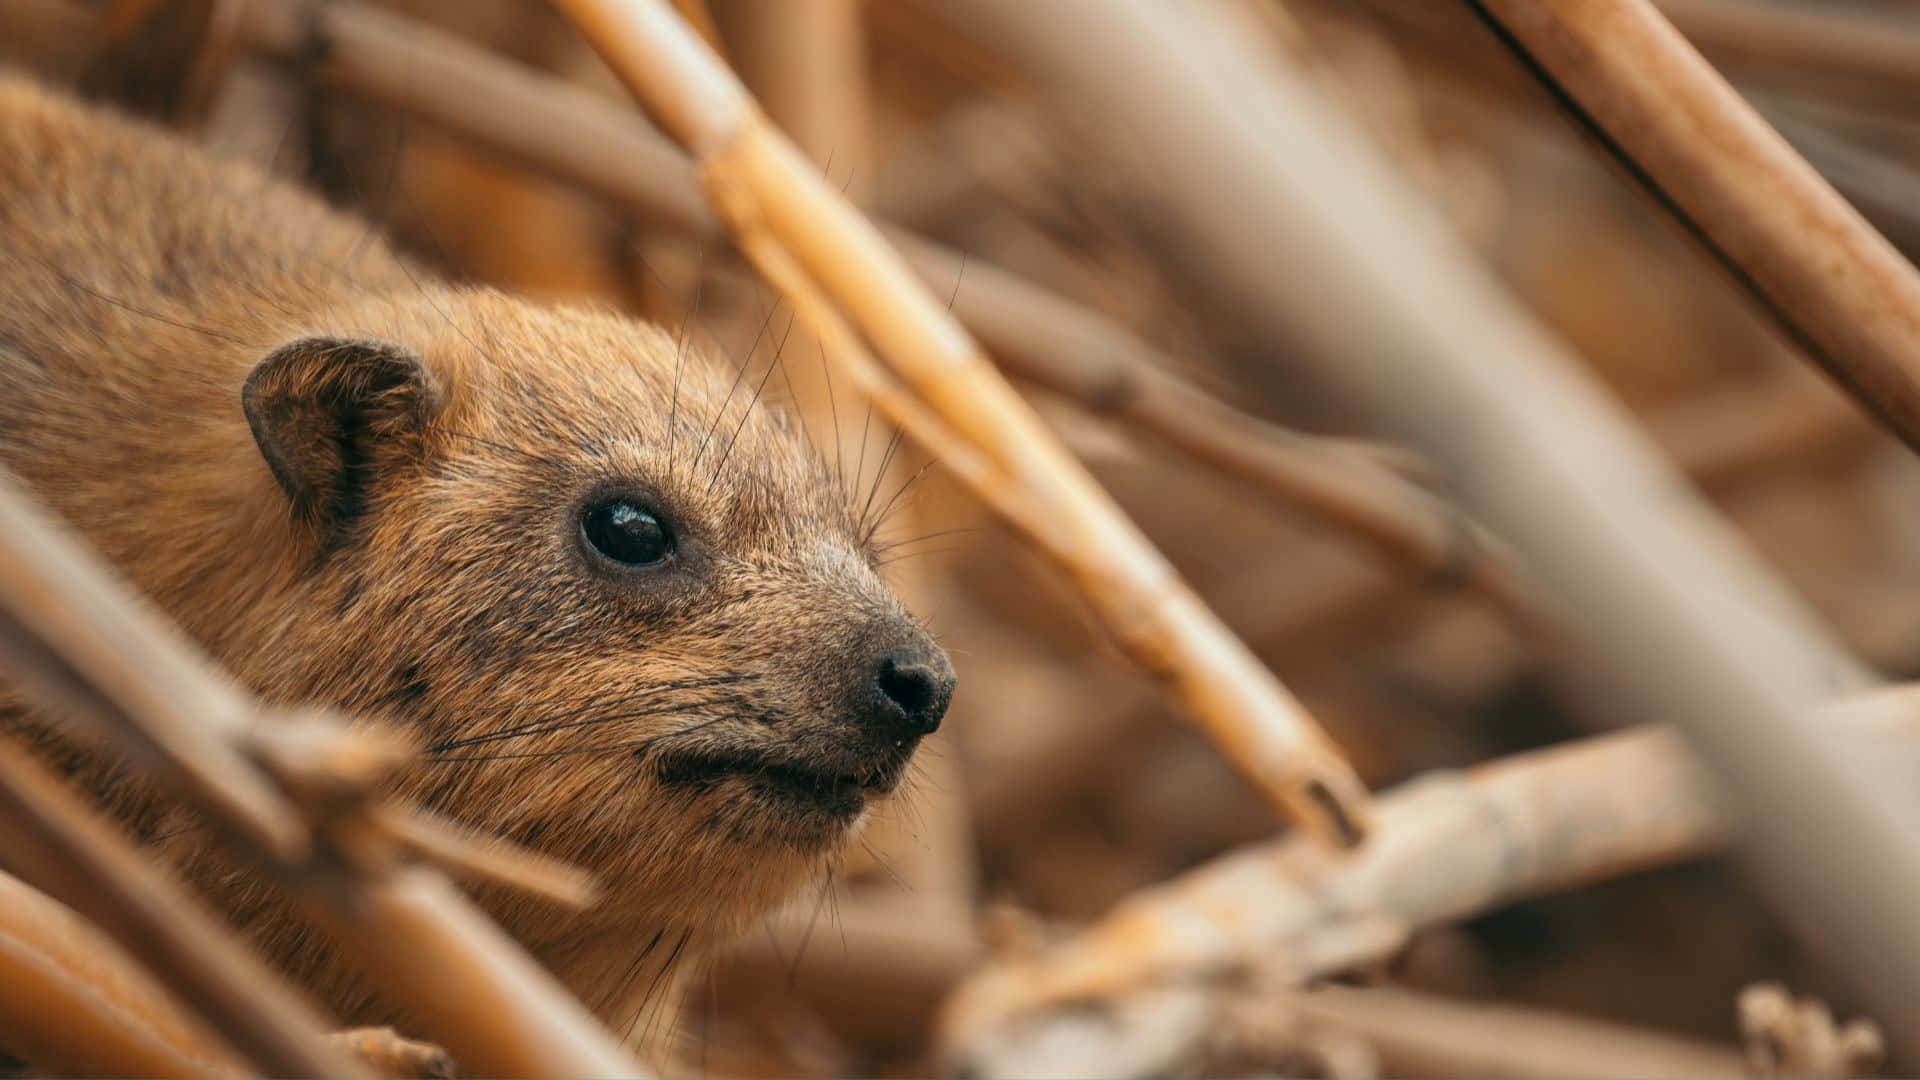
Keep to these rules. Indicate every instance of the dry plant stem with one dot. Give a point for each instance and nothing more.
(72, 1003)
(1448, 846)
(762, 186)
(472, 988)
(391, 1054)
(1749, 431)
(1835, 284)
(1423, 1035)
(879, 975)
(1075, 352)
(56, 843)
(1287, 215)
(69, 635)
(1877, 53)
(71, 632)
(545, 124)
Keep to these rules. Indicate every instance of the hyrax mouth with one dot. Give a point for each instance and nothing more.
(839, 791)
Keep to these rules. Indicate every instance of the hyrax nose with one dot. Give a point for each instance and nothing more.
(909, 691)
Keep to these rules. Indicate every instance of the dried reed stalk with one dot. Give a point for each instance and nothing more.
(60, 846)
(778, 206)
(1281, 209)
(1875, 53)
(1418, 1034)
(83, 645)
(1448, 846)
(1836, 286)
(72, 1003)
(546, 124)
(1259, 1027)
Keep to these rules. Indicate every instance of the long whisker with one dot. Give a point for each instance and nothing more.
(592, 721)
(523, 454)
(607, 748)
(886, 508)
(755, 400)
(880, 472)
(644, 693)
(738, 374)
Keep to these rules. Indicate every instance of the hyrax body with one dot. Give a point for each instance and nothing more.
(631, 614)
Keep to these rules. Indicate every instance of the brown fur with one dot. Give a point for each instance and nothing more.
(401, 538)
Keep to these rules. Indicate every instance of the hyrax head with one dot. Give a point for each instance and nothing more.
(629, 611)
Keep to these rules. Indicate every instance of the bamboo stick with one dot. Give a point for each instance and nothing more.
(1285, 213)
(82, 643)
(1757, 207)
(72, 1003)
(1449, 845)
(769, 197)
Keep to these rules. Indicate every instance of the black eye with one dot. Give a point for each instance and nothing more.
(626, 533)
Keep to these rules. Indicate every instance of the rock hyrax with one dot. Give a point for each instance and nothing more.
(635, 618)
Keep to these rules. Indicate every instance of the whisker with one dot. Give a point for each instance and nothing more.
(879, 473)
(680, 351)
(880, 518)
(609, 748)
(546, 727)
(738, 374)
(75, 283)
(524, 454)
(751, 402)
(654, 690)
(654, 987)
(833, 410)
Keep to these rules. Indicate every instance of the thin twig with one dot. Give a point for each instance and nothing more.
(59, 846)
(764, 189)
(72, 1003)
(1787, 237)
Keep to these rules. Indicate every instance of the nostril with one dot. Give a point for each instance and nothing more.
(917, 691)
(909, 686)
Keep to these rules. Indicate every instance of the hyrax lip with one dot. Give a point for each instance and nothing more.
(795, 780)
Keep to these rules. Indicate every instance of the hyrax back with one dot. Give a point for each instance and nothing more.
(630, 612)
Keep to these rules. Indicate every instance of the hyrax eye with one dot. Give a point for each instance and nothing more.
(626, 533)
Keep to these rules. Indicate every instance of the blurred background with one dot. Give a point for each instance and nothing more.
(1063, 782)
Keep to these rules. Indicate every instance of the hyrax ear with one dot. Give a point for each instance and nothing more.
(329, 413)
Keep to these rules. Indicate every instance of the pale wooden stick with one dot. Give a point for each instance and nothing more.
(1419, 1034)
(1296, 225)
(74, 634)
(1448, 846)
(1799, 1037)
(57, 844)
(1789, 238)
(762, 187)
(72, 1003)
(1254, 1026)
